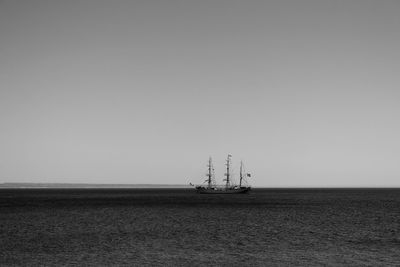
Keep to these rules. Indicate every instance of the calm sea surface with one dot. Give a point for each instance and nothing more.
(177, 227)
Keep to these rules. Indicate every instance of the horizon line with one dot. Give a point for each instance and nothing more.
(23, 185)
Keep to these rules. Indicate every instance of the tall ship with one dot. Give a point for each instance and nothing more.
(211, 187)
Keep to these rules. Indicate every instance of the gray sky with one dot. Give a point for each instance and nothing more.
(305, 92)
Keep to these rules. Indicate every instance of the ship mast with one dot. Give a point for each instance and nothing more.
(241, 173)
(227, 171)
(209, 172)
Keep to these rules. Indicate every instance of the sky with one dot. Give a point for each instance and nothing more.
(305, 92)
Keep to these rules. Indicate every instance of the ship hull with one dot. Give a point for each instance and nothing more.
(212, 190)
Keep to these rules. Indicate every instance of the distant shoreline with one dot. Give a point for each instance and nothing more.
(83, 185)
(155, 186)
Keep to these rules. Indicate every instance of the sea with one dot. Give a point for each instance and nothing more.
(178, 227)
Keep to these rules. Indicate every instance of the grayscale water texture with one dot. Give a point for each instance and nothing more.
(143, 227)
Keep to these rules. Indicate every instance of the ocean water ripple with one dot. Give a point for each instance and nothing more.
(168, 227)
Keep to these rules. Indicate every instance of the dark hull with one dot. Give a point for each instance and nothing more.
(206, 190)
